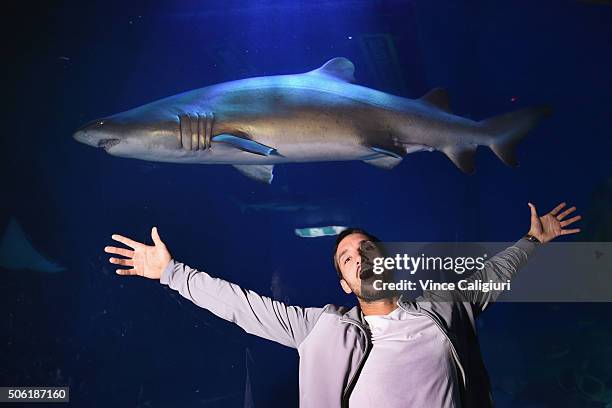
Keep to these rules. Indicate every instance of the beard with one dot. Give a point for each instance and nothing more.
(366, 290)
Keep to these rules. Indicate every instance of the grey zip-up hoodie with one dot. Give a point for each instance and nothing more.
(333, 342)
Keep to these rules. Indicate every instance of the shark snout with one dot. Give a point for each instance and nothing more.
(138, 133)
(89, 138)
(94, 134)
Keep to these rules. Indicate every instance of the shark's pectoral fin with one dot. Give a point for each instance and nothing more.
(394, 152)
(339, 68)
(245, 144)
(385, 158)
(385, 162)
(259, 172)
(438, 98)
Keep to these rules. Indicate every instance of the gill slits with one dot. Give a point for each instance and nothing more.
(195, 131)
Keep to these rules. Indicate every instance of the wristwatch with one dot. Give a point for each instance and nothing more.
(531, 238)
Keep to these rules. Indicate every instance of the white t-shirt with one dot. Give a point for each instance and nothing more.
(410, 365)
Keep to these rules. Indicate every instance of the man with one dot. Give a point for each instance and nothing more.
(385, 352)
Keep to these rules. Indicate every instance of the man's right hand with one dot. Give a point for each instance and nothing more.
(146, 260)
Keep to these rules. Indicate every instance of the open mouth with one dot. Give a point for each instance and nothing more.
(108, 143)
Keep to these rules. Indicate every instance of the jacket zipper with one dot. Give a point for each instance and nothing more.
(361, 361)
(453, 350)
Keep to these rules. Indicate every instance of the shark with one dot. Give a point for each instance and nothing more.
(315, 116)
(17, 252)
(286, 203)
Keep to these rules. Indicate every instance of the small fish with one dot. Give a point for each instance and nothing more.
(315, 232)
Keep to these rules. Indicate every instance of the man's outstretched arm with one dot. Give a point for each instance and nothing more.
(504, 265)
(256, 314)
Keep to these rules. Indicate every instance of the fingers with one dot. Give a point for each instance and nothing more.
(126, 241)
(565, 213)
(155, 235)
(127, 272)
(119, 251)
(557, 208)
(568, 222)
(534, 213)
(120, 261)
(571, 231)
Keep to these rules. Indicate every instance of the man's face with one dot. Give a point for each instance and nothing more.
(352, 265)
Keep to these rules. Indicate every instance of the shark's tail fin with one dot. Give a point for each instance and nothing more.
(507, 130)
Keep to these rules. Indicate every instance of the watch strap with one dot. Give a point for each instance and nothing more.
(531, 238)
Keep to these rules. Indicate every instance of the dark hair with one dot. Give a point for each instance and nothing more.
(344, 234)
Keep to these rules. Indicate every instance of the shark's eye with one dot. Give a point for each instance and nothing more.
(101, 122)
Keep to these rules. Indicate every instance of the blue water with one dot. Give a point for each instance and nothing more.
(127, 341)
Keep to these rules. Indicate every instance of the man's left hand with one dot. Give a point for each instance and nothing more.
(550, 226)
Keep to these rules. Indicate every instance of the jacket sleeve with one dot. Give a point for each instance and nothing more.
(499, 268)
(256, 314)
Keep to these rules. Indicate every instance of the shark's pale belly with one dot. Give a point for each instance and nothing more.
(289, 153)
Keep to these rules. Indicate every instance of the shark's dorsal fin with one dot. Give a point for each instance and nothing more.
(259, 172)
(437, 97)
(339, 68)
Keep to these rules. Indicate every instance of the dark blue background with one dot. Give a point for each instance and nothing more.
(124, 341)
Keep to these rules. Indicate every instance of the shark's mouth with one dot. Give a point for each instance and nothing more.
(108, 143)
